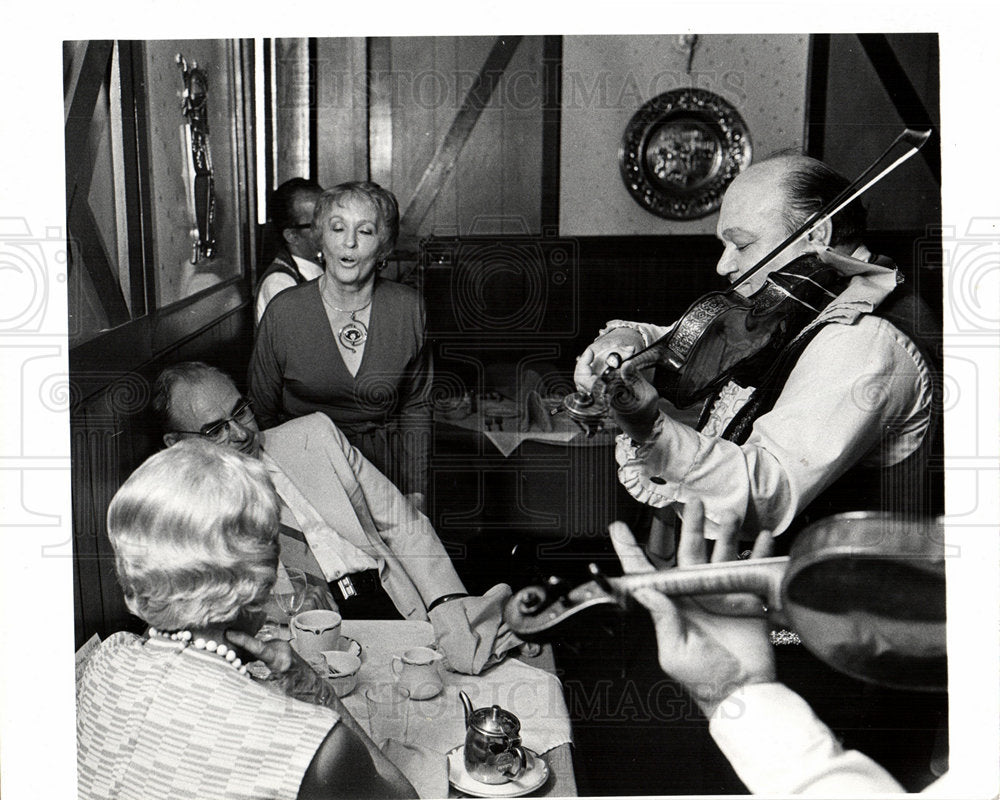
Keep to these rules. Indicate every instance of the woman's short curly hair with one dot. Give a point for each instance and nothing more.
(383, 200)
(195, 535)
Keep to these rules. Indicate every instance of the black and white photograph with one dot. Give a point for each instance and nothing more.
(396, 407)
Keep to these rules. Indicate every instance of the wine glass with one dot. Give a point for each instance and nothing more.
(290, 591)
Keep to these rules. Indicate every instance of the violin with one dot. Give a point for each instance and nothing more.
(724, 332)
(858, 568)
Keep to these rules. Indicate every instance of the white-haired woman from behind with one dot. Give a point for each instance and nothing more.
(175, 713)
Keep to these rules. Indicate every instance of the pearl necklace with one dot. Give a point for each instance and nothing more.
(209, 646)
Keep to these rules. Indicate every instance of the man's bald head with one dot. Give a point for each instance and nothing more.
(807, 185)
(770, 200)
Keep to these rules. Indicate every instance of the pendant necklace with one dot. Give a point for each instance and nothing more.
(354, 333)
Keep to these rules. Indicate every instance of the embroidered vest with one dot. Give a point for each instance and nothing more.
(913, 486)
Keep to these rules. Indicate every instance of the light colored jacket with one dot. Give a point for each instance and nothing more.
(366, 508)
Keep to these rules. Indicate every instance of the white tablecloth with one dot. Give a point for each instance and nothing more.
(533, 695)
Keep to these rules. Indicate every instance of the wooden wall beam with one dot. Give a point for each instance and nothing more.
(79, 172)
(442, 164)
(816, 90)
(313, 118)
(551, 122)
(84, 232)
(138, 189)
(901, 92)
(81, 112)
(380, 95)
(292, 116)
(270, 168)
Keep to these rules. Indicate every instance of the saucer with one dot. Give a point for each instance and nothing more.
(531, 779)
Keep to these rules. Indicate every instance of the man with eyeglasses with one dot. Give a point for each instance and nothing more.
(342, 521)
(291, 213)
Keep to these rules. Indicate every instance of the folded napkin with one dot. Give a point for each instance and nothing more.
(426, 769)
(534, 415)
(470, 631)
(535, 423)
(507, 443)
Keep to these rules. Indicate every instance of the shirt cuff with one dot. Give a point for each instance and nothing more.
(649, 332)
(632, 473)
(777, 745)
(622, 323)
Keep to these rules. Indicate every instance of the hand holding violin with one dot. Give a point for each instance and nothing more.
(710, 655)
(592, 362)
(632, 398)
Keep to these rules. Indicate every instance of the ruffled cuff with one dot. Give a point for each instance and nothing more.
(631, 458)
(622, 323)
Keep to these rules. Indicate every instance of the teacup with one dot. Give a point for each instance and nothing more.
(315, 631)
(344, 668)
(417, 671)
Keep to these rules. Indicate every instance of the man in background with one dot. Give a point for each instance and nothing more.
(298, 260)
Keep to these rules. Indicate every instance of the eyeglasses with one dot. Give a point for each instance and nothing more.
(218, 431)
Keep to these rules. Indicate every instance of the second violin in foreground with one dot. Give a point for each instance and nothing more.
(865, 592)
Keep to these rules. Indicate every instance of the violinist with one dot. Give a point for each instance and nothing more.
(848, 401)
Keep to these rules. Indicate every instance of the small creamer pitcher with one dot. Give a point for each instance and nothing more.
(418, 672)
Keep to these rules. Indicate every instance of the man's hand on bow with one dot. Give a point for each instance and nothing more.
(593, 361)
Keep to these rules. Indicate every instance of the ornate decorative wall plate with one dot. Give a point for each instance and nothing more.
(681, 150)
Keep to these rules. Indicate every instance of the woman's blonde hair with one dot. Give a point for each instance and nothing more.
(381, 199)
(195, 535)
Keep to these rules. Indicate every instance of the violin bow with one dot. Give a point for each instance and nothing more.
(904, 147)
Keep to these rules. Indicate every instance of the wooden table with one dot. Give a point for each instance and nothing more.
(526, 686)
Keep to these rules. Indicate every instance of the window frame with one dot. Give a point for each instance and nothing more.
(153, 330)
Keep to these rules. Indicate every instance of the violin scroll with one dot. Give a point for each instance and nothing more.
(536, 609)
